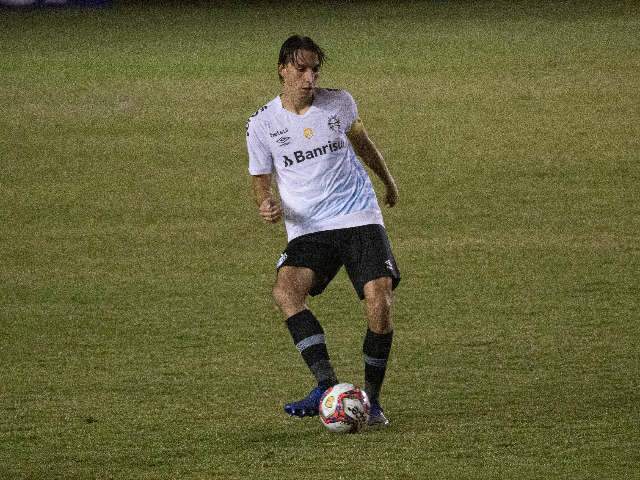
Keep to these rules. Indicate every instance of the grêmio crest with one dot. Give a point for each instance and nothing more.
(334, 123)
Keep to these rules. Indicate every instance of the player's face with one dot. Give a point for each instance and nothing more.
(300, 76)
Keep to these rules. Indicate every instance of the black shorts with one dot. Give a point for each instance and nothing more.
(364, 251)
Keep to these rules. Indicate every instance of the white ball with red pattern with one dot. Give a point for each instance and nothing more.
(344, 408)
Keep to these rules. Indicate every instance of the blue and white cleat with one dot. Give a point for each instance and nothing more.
(376, 417)
(308, 406)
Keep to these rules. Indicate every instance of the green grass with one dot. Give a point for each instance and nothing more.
(137, 334)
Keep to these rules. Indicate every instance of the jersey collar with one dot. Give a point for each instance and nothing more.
(311, 107)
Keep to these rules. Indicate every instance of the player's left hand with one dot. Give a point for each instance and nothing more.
(391, 195)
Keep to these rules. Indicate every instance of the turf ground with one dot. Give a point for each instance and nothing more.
(137, 335)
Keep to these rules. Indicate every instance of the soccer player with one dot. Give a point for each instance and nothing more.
(307, 139)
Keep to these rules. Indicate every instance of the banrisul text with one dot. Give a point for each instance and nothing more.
(300, 156)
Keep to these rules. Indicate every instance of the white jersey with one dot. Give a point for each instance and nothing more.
(322, 184)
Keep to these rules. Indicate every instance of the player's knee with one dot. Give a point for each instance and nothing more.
(286, 298)
(279, 295)
(379, 292)
(379, 298)
(380, 303)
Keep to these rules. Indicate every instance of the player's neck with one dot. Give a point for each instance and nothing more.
(296, 104)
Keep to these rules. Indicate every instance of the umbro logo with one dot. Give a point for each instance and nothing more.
(389, 265)
(283, 141)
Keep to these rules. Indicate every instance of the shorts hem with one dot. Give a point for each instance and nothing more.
(315, 289)
(395, 281)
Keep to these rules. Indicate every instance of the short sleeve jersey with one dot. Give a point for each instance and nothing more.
(322, 184)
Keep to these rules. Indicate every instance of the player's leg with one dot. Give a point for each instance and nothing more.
(290, 292)
(378, 294)
(377, 343)
(374, 274)
(291, 289)
(293, 285)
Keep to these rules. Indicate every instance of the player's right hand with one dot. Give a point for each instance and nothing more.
(391, 195)
(270, 210)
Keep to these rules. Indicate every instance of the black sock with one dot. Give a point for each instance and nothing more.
(376, 349)
(308, 337)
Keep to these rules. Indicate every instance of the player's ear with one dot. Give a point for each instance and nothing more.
(280, 70)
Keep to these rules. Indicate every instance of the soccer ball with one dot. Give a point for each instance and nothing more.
(344, 408)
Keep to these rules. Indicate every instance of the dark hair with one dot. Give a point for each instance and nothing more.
(295, 43)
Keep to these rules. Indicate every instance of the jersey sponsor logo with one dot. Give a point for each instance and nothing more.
(283, 141)
(308, 132)
(277, 133)
(334, 123)
(300, 156)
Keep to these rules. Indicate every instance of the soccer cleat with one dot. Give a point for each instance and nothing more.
(308, 406)
(376, 417)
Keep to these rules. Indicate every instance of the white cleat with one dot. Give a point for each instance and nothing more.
(377, 418)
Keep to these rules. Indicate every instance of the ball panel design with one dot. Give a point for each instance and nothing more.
(344, 408)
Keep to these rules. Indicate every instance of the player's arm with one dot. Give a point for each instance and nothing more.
(268, 206)
(372, 158)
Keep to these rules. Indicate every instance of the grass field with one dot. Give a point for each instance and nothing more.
(138, 339)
